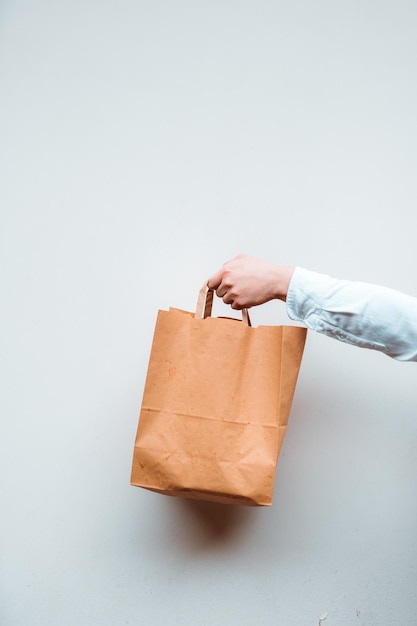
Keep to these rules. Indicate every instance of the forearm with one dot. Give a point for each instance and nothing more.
(364, 315)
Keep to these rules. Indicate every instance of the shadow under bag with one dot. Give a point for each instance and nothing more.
(215, 405)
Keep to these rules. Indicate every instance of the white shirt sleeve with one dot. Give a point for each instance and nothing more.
(361, 314)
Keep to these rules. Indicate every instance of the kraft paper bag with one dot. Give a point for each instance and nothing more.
(215, 405)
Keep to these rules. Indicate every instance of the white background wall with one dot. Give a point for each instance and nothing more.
(144, 143)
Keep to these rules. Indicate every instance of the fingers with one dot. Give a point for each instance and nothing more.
(215, 280)
(222, 284)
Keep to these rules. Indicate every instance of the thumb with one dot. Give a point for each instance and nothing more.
(215, 280)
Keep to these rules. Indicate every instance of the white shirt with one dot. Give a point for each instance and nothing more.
(362, 314)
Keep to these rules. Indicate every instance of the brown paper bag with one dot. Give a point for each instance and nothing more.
(215, 406)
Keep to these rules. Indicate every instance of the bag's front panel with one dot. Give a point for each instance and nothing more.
(180, 453)
(210, 423)
(215, 368)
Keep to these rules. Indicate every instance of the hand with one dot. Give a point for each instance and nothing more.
(246, 281)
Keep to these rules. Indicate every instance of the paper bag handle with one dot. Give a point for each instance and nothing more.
(205, 305)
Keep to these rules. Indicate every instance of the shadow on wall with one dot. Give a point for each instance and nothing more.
(209, 524)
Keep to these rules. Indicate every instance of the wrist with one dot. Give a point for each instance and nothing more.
(282, 281)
